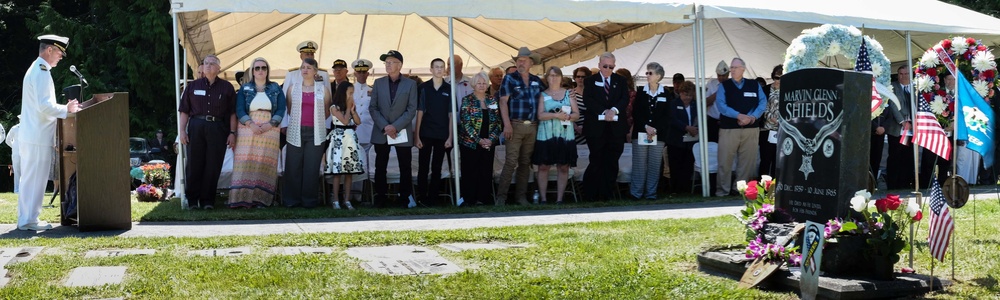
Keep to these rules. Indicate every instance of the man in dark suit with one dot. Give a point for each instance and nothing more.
(681, 136)
(899, 163)
(160, 146)
(605, 127)
(393, 106)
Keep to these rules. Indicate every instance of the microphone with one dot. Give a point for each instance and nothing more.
(72, 68)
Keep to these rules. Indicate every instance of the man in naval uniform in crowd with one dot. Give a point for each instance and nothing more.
(39, 112)
(15, 157)
(362, 100)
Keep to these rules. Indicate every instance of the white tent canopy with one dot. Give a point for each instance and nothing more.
(486, 33)
(760, 31)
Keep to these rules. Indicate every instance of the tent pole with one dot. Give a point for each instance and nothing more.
(699, 54)
(177, 99)
(909, 66)
(364, 27)
(650, 54)
(913, 113)
(454, 111)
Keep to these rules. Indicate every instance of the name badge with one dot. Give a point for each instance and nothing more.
(661, 99)
(599, 83)
(680, 107)
(492, 106)
(247, 88)
(750, 94)
(200, 92)
(534, 83)
(444, 94)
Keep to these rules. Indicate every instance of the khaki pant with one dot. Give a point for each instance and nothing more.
(519, 149)
(740, 144)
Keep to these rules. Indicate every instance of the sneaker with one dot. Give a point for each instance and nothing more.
(347, 204)
(459, 202)
(413, 203)
(35, 226)
(336, 204)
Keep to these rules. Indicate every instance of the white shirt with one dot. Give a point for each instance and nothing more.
(12, 140)
(462, 89)
(260, 102)
(362, 99)
(713, 86)
(39, 109)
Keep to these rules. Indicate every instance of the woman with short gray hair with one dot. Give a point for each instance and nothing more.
(650, 115)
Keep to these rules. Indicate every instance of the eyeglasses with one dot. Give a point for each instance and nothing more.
(259, 68)
(609, 67)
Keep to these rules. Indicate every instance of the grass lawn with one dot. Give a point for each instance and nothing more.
(171, 210)
(611, 260)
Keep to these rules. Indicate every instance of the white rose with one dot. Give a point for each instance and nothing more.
(741, 186)
(863, 193)
(912, 208)
(859, 203)
(766, 178)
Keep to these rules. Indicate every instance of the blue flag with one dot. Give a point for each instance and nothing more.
(974, 121)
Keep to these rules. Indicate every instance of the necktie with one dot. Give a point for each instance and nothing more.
(607, 89)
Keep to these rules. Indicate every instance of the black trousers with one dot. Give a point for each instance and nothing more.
(404, 157)
(477, 174)
(302, 172)
(768, 155)
(601, 175)
(430, 160)
(206, 151)
(875, 156)
(927, 162)
(681, 161)
(899, 165)
(713, 129)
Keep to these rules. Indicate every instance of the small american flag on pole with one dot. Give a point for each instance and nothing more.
(864, 64)
(942, 225)
(928, 132)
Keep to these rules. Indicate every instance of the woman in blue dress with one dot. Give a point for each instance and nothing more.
(555, 144)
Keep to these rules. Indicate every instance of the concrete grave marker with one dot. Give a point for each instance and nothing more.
(222, 252)
(301, 250)
(19, 254)
(95, 276)
(403, 260)
(120, 252)
(459, 247)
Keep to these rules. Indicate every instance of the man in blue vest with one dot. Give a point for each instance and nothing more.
(740, 103)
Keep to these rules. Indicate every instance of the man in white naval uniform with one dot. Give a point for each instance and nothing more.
(39, 111)
(15, 156)
(362, 99)
(306, 49)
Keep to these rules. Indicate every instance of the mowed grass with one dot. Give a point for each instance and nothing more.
(171, 210)
(607, 260)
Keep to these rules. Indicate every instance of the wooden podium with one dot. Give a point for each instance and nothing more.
(93, 143)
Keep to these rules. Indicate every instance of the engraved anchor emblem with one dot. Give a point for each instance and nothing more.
(809, 146)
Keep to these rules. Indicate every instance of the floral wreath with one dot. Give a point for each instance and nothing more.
(816, 43)
(970, 57)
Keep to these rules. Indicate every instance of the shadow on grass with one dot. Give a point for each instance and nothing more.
(170, 211)
(988, 282)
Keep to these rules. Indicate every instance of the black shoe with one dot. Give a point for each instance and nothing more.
(207, 207)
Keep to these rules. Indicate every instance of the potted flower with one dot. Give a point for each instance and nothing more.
(148, 193)
(870, 240)
(156, 174)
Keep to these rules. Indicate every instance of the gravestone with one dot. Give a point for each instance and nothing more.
(19, 254)
(459, 247)
(301, 250)
(95, 276)
(823, 141)
(222, 252)
(403, 260)
(119, 252)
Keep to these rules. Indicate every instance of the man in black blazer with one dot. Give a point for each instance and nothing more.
(681, 136)
(605, 126)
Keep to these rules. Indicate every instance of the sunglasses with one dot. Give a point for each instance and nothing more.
(649, 73)
(609, 67)
(579, 76)
(260, 68)
(776, 77)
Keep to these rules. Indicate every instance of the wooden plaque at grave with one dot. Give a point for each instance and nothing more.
(823, 141)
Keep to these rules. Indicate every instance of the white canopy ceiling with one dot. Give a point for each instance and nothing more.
(564, 32)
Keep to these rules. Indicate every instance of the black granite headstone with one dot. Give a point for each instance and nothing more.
(823, 142)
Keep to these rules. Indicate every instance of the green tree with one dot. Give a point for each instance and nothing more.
(989, 7)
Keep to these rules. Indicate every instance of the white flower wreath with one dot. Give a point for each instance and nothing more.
(817, 43)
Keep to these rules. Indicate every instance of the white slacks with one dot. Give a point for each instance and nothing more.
(37, 163)
(15, 159)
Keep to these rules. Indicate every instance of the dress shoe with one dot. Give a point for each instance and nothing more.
(209, 207)
(413, 203)
(35, 226)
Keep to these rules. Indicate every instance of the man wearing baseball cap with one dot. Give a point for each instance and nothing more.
(393, 107)
(339, 73)
(362, 100)
(39, 111)
(722, 73)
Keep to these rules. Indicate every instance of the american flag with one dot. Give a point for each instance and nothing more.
(942, 225)
(864, 64)
(928, 132)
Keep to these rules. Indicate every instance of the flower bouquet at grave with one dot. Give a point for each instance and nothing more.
(759, 210)
(878, 227)
(148, 193)
(157, 174)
